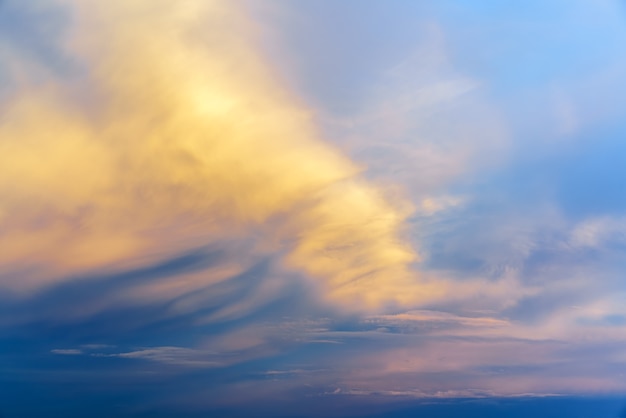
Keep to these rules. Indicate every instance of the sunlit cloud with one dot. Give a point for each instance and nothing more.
(174, 135)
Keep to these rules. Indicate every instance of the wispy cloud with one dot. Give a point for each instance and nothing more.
(67, 351)
(177, 356)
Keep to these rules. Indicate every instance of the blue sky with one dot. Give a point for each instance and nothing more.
(362, 207)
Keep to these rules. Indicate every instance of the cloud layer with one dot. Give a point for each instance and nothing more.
(205, 204)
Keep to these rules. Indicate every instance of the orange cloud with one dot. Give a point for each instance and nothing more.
(176, 136)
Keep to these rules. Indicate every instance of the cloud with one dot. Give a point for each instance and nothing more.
(67, 351)
(177, 356)
(598, 232)
(165, 193)
(175, 135)
(427, 358)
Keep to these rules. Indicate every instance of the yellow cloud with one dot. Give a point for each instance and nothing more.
(178, 135)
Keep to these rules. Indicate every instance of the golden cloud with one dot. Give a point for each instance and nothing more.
(175, 135)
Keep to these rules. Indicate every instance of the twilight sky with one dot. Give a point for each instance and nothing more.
(212, 206)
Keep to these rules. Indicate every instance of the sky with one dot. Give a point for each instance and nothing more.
(300, 208)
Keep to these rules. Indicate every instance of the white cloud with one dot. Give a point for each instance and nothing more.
(67, 351)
